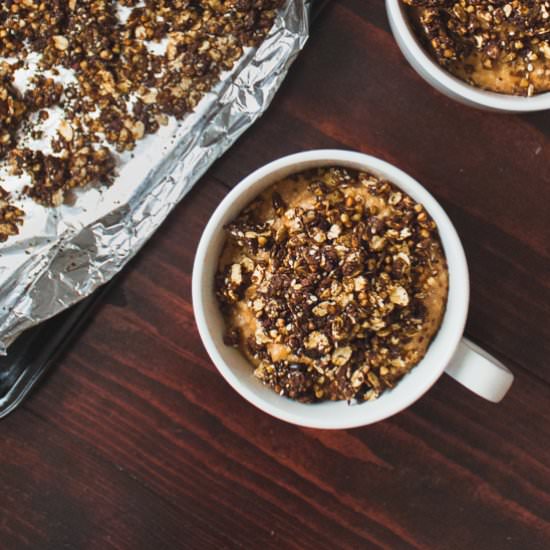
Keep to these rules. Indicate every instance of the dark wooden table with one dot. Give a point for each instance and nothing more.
(135, 441)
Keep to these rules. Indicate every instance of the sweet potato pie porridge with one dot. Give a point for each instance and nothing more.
(333, 284)
(497, 45)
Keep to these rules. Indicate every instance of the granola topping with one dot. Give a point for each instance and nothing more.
(333, 284)
(499, 45)
(11, 217)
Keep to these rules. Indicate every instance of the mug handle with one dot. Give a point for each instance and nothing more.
(480, 372)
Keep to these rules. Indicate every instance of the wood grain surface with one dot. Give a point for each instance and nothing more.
(134, 441)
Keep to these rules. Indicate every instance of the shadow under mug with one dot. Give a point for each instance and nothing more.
(449, 351)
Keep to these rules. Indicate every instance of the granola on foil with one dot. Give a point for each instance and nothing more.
(109, 113)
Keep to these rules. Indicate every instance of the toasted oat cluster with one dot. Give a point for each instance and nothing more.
(332, 283)
(500, 45)
(10, 216)
(12, 113)
(117, 70)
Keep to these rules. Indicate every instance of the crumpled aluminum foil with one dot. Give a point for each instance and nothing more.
(64, 254)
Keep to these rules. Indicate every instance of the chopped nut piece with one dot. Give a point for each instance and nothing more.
(318, 341)
(334, 231)
(261, 337)
(340, 356)
(321, 310)
(11, 217)
(236, 274)
(65, 131)
(60, 42)
(357, 379)
(399, 296)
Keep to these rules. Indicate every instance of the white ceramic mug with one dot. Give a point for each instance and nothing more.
(449, 351)
(445, 82)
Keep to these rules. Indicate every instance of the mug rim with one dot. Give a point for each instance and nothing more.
(431, 71)
(440, 350)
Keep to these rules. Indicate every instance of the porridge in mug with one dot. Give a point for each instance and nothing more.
(497, 45)
(332, 283)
